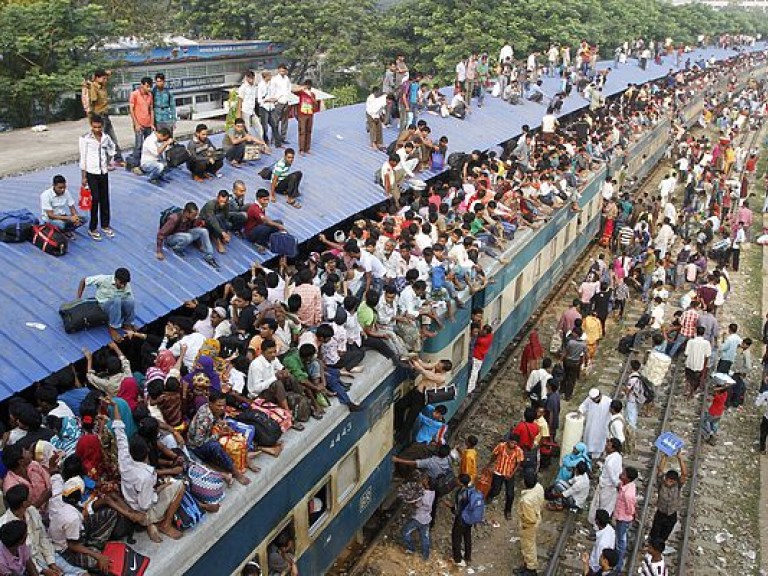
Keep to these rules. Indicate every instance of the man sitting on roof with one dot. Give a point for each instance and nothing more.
(153, 150)
(215, 214)
(180, 229)
(58, 207)
(115, 297)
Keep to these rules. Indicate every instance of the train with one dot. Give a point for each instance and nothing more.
(331, 477)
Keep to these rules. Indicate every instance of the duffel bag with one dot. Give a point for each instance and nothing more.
(49, 239)
(267, 432)
(176, 155)
(281, 416)
(82, 314)
(283, 244)
(247, 430)
(16, 225)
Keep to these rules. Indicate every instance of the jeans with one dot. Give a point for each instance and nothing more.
(177, 242)
(260, 234)
(62, 225)
(99, 186)
(333, 383)
(423, 529)
(120, 311)
(679, 341)
(154, 169)
(632, 414)
(710, 424)
(622, 526)
(481, 95)
(213, 453)
(138, 143)
(235, 153)
(647, 286)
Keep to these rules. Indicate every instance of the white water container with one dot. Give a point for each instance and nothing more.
(656, 367)
(573, 429)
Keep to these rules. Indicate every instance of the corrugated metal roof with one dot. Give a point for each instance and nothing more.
(337, 184)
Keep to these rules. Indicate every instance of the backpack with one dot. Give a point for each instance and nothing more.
(643, 321)
(625, 344)
(648, 390)
(267, 432)
(300, 407)
(167, 213)
(474, 511)
(124, 560)
(456, 160)
(176, 155)
(189, 512)
(16, 225)
(438, 277)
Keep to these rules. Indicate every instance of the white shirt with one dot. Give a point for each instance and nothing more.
(150, 149)
(540, 375)
(657, 315)
(369, 263)
(374, 106)
(262, 374)
(578, 490)
(387, 173)
(95, 155)
(616, 428)
(409, 302)
(137, 479)
(605, 538)
(607, 191)
(456, 100)
(248, 94)
(66, 521)
(461, 71)
(62, 410)
(193, 342)
(280, 88)
(506, 52)
(59, 205)
(548, 123)
(697, 350)
(262, 93)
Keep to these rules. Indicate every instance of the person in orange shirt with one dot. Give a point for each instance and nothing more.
(506, 459)
(468, 462)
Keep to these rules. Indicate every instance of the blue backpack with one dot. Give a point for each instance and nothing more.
(474, 511)
(16, 225)
(189, 513)
(438, 277)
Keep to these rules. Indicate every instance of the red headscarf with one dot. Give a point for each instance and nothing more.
(165, 361)
(532, 353)
(129, 391)
(89, 451)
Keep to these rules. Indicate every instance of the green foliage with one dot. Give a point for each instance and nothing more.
(346, 95)
(45, 47)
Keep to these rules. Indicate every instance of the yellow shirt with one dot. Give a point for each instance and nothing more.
(593, 329)
(468, 463)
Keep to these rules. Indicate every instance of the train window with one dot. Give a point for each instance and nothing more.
(537, 271)
(494, 318)
(317, 507)
(566, 236)
(183, 101)
(458, 354)
(281, 550)
(347, 476)
(518, 287)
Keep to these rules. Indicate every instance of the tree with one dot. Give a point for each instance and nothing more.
(46, 48)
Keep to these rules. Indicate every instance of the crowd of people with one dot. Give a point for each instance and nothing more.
(123, 444)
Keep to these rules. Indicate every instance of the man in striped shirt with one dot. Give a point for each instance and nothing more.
(506, 459)
(284, 181)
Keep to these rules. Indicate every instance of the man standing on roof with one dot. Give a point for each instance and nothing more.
(246, 104)
(115, 297)
(305, 115)
(284, 181)
(97, 149)
(280, 92)
(164, 104)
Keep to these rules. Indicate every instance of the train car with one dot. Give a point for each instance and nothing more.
(326, 485)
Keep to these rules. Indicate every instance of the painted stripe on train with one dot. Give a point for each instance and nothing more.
(227, 553)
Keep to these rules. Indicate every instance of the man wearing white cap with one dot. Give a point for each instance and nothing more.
(597, 410)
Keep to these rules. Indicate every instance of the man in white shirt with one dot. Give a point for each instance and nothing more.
(153, 162)
(189, 340)
(537, 380)
(549, 124)
(697, 353)
(375, 108)
(605, 538)
(97, 150)
(58, 207)
(506, 52)
(607, 189)
(265, 105)
(280, 90)
(268, 379)
(246, 104)
(606, 493)
(667, 187)
(461, 71)
(138, 480)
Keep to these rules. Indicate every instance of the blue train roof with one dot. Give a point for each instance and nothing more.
(337, 184)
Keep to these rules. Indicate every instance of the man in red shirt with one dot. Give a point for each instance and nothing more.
(305, 115)
(258, 227)
(527, 431)
(710, 422)
(479, 352)
(143, 116)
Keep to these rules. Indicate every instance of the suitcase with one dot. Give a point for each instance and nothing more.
(82, 314)
(176, 155)
(283, 244)
(124, 560)
(49, 239)
(16, 225)
(438, 161)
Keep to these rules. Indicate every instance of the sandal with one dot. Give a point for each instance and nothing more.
(295, 204)
(94, 234)
(108, 232)
(260, 249)
(298, 426)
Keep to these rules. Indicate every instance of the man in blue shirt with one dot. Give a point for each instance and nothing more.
(432, 426)
(164, 104)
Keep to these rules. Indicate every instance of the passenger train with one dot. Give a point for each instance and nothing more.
(331, 477)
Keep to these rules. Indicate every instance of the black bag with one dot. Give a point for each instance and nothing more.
(648, 390)
(176, 155)
(16, 225)
(266, 173)
(82, 314)
(392, 148)
(50, 239)
(643, 321)
(439, 395)
(267, 432)
(626, 344)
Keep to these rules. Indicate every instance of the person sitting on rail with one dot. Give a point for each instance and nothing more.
(571, 494)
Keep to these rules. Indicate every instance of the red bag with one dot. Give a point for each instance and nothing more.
(124, 560)
(484, 481)
(281, 416)
(49, 239)
(85, 198)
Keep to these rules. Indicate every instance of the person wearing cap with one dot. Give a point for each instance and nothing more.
(220, 322)
(215, 214)
(115, 298)
(597, 410)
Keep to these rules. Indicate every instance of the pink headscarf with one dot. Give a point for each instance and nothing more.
(165, 361)
(129, 391)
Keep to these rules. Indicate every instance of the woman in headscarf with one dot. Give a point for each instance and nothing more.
(165, 361)
(68, 432)
(129, 391)
(579, 454)
(204, 365)
(532, 354)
